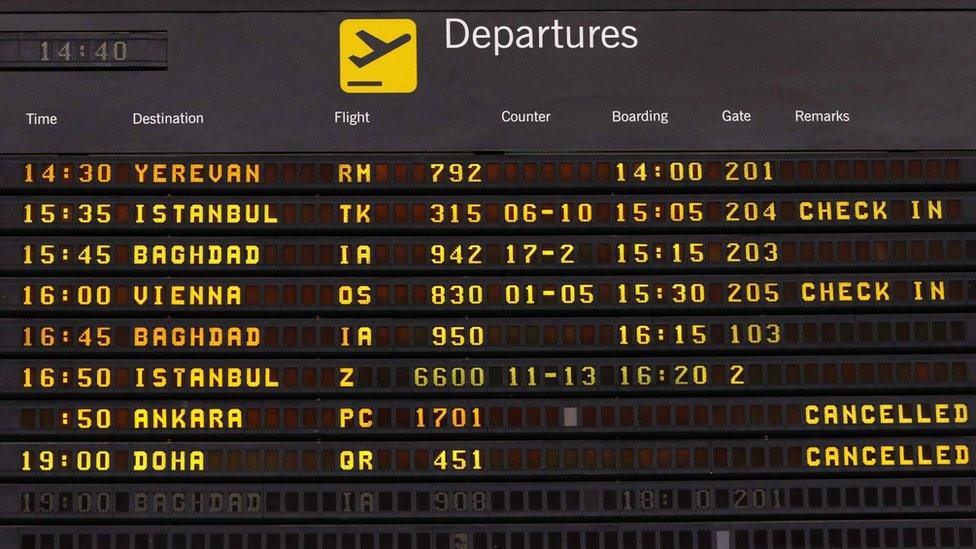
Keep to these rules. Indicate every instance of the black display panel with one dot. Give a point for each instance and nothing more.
(293, 275)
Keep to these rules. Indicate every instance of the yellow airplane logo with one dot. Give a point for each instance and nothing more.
(378, 55)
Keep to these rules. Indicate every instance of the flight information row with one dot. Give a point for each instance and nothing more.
(472, 459)
(511, 214)
(740, 374)
(421, 417)
(477, 173)
(240, 337)
(766, 292)
(251, 502)
(455, 254)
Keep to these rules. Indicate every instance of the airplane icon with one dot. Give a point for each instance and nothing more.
(377, 55)
(378, 47)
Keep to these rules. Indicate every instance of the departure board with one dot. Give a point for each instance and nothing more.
(487, 275)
